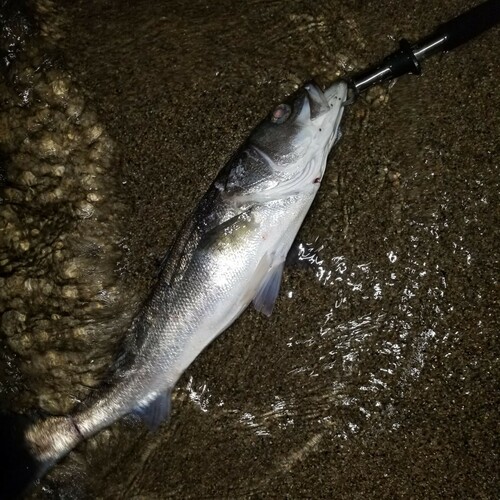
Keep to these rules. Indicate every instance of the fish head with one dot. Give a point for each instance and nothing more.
(286, 153)
(302, 129)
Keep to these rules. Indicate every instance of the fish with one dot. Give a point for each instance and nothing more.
(230, 253)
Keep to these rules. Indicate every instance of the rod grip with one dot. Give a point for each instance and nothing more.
(469, 24)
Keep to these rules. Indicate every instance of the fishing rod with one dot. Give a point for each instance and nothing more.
(446, 37)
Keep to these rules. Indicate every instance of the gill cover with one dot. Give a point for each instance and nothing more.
(298, 125)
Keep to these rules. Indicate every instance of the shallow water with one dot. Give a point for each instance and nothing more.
(377, 374)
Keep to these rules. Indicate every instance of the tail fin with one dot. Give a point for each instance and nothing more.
(18, 466)
(28, 450)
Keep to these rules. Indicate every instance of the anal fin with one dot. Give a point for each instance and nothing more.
(156, 411)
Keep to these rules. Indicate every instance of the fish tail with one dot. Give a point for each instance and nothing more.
(18, 465)
(28, 450)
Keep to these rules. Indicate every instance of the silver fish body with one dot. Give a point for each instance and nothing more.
(230, 252)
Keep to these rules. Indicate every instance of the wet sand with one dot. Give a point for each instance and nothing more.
(377, 374)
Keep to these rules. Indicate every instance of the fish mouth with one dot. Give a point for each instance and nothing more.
(336, 94)
(318, 102)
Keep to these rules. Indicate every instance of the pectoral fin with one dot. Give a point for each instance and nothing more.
(228, 231)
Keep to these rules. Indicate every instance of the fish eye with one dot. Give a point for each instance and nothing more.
(281, 114)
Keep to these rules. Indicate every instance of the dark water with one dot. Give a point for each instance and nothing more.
(377, 375)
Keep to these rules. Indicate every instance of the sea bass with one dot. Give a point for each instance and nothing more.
(230, 252)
